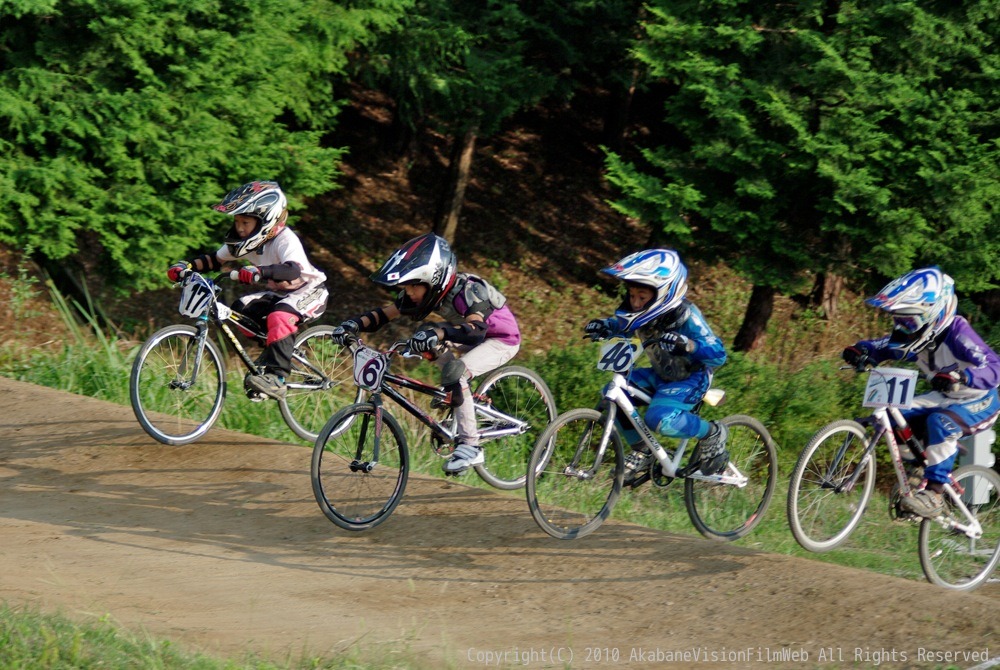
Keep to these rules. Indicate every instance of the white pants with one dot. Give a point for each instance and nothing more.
(478, 360)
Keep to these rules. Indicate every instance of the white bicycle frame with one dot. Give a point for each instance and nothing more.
(884, 427)
(619, 393)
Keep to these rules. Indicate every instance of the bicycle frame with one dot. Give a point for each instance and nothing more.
(885, 419)
(618, 394)
(512, 425)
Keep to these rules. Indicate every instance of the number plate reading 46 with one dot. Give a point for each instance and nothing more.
(369, 368)
(618, 356)
(890, 387)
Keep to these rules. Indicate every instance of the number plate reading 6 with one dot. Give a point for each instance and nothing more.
(890, 387)
(369, 368)
(618, 356)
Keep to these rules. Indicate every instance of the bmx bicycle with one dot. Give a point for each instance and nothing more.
(177, 385)
(576, 471)
(834, 480)
(361, 461)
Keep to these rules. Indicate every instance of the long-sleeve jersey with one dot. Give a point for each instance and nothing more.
(285, 247)
(959, 348)
(709, 353)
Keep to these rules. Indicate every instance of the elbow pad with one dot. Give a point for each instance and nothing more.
(287, 271)
(470, 332)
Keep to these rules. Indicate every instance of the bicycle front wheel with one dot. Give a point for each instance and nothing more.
(360, 466)
(830, 486)
(572, 487)
(728, 512)
(523, 395)
(320, 383)
(948, 556)
(177, 385)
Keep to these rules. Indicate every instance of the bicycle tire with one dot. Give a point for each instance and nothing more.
(318, 386)
(167, 409)
(727, 512)
(950, 558)
(524, 395)
(353, 498)
(820, 517)
(568, 497)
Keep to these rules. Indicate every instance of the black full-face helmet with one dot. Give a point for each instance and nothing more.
(427, 260)
(264, 201)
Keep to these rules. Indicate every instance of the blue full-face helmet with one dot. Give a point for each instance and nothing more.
(660, 270)
(921, 303)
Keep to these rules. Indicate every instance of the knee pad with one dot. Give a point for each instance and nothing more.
(281, 324)
(452, 372)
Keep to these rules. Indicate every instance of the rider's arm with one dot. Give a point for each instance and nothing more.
(471, 332)
(206, 263)
(371, 321)
(980, 365)
(287, 271)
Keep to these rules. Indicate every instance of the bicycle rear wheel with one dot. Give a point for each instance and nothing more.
(320, 383)
(949, 557)
(823, 509)
(726, 511)
(356, 487)
(570, 492)
(172, 405)
(522, 394)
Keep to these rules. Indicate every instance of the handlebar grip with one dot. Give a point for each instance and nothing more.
(234, 275)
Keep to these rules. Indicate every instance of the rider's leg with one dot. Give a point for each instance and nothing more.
(455, 376)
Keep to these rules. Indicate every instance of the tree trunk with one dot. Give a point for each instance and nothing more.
(759, 310)
(459, 169)
(825, 293)
(616, 117)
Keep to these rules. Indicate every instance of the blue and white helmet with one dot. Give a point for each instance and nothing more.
(660, 270)
(921, 303)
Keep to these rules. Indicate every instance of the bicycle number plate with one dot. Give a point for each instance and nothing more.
(369, 368)
(618, 356)
(890, 387)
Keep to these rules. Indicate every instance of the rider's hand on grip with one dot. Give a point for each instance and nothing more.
(945, 382)
(178, 271)
(855, 356)
(423, 341)
(345, 332)
(600, 329)
(676, 344)
(248, 275)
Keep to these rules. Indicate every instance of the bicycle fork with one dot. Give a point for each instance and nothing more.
(181, 381)
(357, 464)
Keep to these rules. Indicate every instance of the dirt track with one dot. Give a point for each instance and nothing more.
(220, 546)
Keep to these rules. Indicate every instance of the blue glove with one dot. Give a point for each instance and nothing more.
(676, 344)
(601, 329)
(423, 341)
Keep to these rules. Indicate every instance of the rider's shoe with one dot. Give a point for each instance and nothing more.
(915, 475)
(710, 455)
(464, 457)
(635, 463)
(269, 384)
(925, 502)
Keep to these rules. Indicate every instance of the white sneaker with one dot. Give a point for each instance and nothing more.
(464, 457)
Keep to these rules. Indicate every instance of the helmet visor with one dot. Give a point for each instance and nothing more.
(908, 324)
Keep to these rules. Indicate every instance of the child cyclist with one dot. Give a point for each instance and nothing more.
(295, 290)
(963, 372)
(684, 356)
(478, 324)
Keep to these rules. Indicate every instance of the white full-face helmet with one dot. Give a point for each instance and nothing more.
(660, 270)
(921, 303)
(264, 201)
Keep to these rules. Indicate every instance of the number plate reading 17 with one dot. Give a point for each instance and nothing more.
(890, 387)
(369, 368)
(618, 356)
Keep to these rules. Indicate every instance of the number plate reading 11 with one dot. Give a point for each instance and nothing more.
(618, 356)
(369, 368)
(890, 387)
